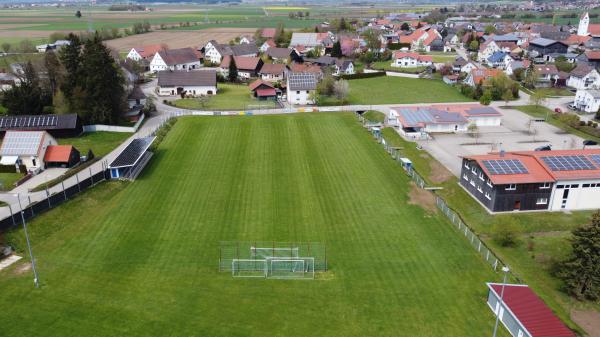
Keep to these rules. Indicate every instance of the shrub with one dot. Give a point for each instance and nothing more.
(362, 75)
(506, 234)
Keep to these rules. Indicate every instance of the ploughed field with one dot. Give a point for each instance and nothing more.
(140, 259)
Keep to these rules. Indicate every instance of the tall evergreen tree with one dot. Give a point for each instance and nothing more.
(70, 56)
(233, 71)
(52, 65)
(102, 83)
(336, 50)
(279, 34)
(581, 272)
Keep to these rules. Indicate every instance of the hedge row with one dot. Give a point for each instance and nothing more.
(363, 75)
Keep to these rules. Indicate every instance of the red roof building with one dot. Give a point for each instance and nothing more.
(263, 89)
(523, 313)
(61, 156)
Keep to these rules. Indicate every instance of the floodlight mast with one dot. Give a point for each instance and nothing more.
(35, 275)
(505, 270)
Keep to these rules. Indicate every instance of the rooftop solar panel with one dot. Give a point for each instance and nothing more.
(132, 152)
(568, 163)
(21, 143)
(505, 166)
(595, 158)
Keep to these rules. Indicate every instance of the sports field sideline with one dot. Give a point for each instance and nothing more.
(141, 259)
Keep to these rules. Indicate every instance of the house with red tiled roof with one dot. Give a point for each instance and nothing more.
(247, 67)
(268, 33)
(270, 43)
(263, 90)
(478, 76)
(534, 180)
(175, 59)
(523, 313)
(410, 60)
(145, 52)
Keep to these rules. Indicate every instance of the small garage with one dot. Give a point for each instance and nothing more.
(61, 156)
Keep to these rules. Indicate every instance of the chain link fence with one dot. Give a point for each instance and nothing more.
(487, 254)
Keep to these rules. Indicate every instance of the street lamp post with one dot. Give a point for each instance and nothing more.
(35, 275)
(505, 270)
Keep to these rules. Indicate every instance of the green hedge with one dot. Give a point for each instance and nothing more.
(363, 75)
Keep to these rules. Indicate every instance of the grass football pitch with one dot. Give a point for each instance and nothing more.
(140, 258)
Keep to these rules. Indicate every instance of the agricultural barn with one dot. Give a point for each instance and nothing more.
(534, 180)
(419, 120)
(524, 314)
(25, 148)
(193, 83)
(61, 156)
(132, 159)
(59, 126)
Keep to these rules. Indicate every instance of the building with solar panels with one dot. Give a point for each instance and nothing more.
(130, 162)
(301, 88)
(534, 180)
(57, 125)
(26, 148)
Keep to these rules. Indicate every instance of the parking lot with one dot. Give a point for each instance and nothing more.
(518, 132)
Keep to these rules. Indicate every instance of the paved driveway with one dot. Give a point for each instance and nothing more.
(518, 132)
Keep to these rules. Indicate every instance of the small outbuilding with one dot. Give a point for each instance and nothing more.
(132, 159)
(263, 90)
(523, 313)
(61, 156)
(58, 126)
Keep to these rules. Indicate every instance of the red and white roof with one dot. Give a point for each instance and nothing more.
(533, 314)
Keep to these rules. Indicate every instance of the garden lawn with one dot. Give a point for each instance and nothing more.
(543, 236)
(140, 259)
(228, 97)
(8, 180)
(402, 90)
(101, 143)
(374, 116)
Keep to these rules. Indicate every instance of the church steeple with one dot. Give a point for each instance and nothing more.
(584, 22)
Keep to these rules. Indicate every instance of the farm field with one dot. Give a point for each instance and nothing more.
(178, 39)
(402, 90)
(229, 97)
(542, 237)
(141, 259)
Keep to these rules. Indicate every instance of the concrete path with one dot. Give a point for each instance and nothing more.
(5, 263)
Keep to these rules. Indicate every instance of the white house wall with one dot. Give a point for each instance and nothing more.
(579, 198)
(190, 90)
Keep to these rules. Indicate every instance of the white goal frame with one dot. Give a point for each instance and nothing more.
(265, 268)
(305, 270)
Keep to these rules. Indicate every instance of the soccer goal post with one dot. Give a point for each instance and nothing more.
(294, 268)
(249, 268)
(274, 252)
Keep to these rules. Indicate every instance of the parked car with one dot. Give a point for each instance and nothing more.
(572, 106)
(558, 110)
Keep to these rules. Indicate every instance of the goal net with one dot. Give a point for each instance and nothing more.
(249, 268)
(297, 268)
(266, 252)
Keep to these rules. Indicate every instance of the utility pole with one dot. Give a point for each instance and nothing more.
(505, 270)
(35, 275)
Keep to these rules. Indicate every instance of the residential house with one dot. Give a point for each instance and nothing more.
(7, 80)
(430, 40)
(458, 63)
(308, 41)
(344, 67)
(487, 49)
(270, 43)
(468, 67)
(301, 88)
(479, 76)
(547, 75)
(584, 77)
(190, 83)
(25, 148)
(247, 40)
(247, 67)
(499, 59)
(273, 72)
(514, 65)
(534, 180)
(541, 46)
(410, 60)
(283, 55)
(215, 52)
(145, 52)
(587, 100)
(268, 33)
(591, 57)
(175, 59)
(307, 68)
(263, 90)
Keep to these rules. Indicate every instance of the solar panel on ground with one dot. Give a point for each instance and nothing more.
(132, 152)
(505, 166)
(568, 163)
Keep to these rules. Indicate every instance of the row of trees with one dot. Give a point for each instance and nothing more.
(83, 78)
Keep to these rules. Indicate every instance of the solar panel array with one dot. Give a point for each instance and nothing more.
(505, 166)
(17, 143)
(28, 121)
(595, 158)
(568, 163)
(132, 153)
(302, 81)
